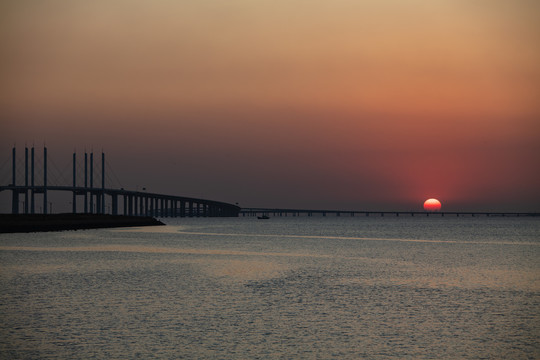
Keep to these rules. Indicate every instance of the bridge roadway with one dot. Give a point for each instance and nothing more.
(299, 212)
(135, 203)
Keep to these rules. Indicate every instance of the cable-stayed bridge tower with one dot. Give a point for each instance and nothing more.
(94, 198)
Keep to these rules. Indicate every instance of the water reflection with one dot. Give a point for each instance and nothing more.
(288, 289)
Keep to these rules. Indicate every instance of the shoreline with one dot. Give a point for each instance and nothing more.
(27, 223)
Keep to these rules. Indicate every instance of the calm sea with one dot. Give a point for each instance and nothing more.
(284, 288)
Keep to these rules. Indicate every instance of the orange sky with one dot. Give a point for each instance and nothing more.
(318, 104)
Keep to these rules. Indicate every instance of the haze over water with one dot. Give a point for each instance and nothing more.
(349, 287)
(349, 105)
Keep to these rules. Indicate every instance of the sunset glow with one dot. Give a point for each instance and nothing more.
(325, 104)
(432, 205)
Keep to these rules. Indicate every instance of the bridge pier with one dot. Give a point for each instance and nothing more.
(98, 203)
(102, 195)
(114, 201)
(91, 182)
(146, 209)
(26, 180)
(15, 202)
(74, 199)
(86, 183)
(32, 204)
(45, 180)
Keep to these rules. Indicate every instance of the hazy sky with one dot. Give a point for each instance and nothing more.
(343, 104)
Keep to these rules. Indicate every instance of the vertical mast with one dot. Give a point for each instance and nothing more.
(14, 158)
(32, 205)
(102, 182)
(74, 201)
(91, 182)
(14, 193)
(44, 180)
(26, 180)
(85, 182)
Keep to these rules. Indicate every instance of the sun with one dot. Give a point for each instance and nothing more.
(432, 205)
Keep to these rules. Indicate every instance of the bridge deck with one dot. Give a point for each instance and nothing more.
(135, 202)
(307, 212)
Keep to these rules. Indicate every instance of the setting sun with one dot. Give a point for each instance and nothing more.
(432, 205)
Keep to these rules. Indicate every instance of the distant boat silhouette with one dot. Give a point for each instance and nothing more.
(263, 217)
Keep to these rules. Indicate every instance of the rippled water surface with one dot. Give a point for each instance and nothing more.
(314, 288)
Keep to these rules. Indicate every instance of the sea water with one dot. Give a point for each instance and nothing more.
(283, 288)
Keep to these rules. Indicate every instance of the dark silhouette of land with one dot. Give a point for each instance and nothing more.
(25, 223)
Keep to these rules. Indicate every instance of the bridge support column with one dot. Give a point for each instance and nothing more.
(32, 191)
(165, 206)
(146, 209)
(91, 182)
(86, 183)
(74, 200)
(15, 202)
(98, 203)
(114, 201)
(26, 180)
(45, 180)
(102, 195)
(130, 205)
(15, 194)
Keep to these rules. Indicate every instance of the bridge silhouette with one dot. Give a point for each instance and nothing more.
(142, 203)
(94, 199)
(310, 212)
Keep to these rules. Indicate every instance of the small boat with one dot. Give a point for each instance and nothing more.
(263, 217)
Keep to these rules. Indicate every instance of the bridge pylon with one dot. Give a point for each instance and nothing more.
(137, 203)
